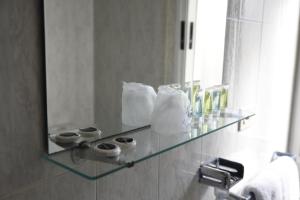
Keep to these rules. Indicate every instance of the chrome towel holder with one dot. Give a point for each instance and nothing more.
(222, 174)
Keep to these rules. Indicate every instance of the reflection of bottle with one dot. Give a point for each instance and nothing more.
(197, 99)
(224, 97)
(216, 101)
(204, 127)
(195, 91)
(207, 102)
(198, 111)
(188, 90)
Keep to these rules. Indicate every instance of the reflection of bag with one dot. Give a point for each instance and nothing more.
(171, 111)
(137, 104)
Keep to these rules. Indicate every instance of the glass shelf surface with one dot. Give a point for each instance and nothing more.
(148, 144)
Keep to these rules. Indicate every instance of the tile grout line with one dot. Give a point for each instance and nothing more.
(247, 20)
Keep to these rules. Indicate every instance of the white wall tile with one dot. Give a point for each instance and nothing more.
(252, 10)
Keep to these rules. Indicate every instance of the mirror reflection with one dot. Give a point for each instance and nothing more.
(105, 60)
(102, 55)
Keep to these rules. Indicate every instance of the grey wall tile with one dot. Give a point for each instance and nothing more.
(139, 182)
(70, 186)
(22, 124)
(34, 192)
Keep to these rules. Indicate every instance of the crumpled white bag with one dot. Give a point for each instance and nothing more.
(171, 111)
(137, 104)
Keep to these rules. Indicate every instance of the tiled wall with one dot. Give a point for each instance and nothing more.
(25, 175)
(261, 42)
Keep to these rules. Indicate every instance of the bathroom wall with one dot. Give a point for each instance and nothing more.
(261, 38)
(24, 175)
(259, 64)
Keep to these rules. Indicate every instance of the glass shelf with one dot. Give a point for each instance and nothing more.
(148, 144)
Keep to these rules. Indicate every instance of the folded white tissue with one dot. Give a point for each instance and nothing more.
(171, 111)
(137, 104)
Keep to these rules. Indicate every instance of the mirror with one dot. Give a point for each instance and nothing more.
(96, 50)
(92, 47)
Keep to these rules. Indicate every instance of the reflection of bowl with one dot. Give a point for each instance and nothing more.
(67, 137)
(89, 132)
(107, 150)
(125, 142)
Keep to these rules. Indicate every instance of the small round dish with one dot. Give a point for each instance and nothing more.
(125, 142)
(107, 150)
(67, 137)
(89, 132)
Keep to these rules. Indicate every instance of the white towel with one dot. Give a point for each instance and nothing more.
(278, 181)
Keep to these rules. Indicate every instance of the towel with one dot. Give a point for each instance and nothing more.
(278, 181)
